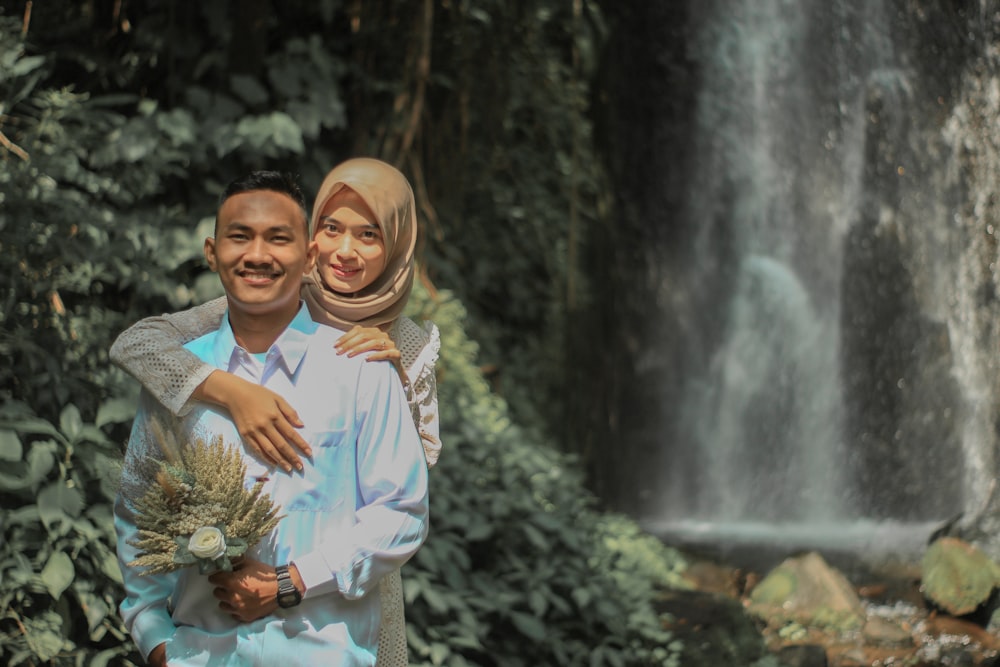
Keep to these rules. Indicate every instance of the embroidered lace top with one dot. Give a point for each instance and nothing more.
(152, 352)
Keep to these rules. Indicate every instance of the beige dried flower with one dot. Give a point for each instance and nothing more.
(199, 486)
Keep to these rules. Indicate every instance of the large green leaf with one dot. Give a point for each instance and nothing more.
(10, 446)
(108, 563)
(26, 65)
(59, 501)
(22, 476)
(58, 573)
(115, 411)
(70, 422)
(95, 608)
(41, 459)
(31, 425)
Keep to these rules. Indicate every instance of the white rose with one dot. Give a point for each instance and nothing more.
(207, 542)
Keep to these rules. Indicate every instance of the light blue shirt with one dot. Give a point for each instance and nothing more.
(357, 511)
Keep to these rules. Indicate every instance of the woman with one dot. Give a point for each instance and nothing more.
(364, 222)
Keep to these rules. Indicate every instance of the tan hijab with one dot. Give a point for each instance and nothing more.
(388, 194)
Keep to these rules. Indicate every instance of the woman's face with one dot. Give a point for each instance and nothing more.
(351, 248)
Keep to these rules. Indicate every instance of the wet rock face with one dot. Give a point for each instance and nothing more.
(901, 399)
(853, 145)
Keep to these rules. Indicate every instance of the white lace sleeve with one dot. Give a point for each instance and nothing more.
(419, 347)
(152, 352)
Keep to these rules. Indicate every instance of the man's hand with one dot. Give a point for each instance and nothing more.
(158, 656)
(264, 419)
(250, 591)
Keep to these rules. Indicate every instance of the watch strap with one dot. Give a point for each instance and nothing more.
(288, 594)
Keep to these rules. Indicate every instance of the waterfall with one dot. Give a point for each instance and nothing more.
(841, 288)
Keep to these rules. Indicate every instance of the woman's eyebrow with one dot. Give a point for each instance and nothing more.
(330, 218)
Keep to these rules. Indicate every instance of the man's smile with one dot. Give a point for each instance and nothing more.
(258, 276)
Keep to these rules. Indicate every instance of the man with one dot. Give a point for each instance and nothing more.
(355, 512)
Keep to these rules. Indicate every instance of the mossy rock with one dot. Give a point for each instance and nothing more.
(957, 576)
(805, 589)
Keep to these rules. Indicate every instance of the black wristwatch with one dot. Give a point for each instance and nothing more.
(288, 594)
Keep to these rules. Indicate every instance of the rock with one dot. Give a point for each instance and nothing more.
(807, 590)
(881, 632)
(957, 576)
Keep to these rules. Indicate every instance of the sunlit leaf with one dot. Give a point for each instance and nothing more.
(95, 608)
(109, 566)
(31, 425)
(41, 460)
(58, 573)
(59, 501)
(103, 658)
(115, 411)
(70, 422)
(438, 653)
(26, 65)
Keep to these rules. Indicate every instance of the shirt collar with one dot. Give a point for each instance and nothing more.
(290, 347)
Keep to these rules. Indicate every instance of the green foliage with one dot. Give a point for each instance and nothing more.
(78, 226)
(59, 577)
(520, 568)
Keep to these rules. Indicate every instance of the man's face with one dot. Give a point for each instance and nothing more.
(261, 251)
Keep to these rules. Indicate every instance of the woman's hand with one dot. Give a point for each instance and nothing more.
(368, 339)
(376, 342)
(264, 419)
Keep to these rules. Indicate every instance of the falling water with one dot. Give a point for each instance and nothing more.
(843, 190)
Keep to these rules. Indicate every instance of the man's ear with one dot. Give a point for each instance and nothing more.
(210, 253)
(312, 253)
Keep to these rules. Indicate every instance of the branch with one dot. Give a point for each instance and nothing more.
(423, 74)
(13, 148)
(26, 21)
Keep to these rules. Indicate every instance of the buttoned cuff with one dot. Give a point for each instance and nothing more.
(317, 576)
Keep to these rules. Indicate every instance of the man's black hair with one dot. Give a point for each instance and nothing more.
(275, 181)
